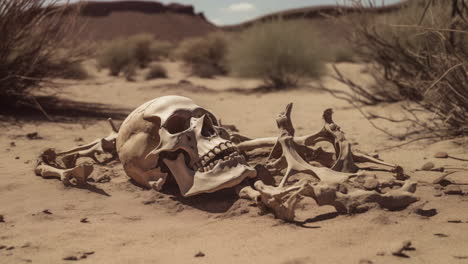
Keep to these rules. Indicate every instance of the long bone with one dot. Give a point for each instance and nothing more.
(104, 145)
(48, 166)
(330, 133)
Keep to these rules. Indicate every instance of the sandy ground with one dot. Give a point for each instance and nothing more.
(126, 224)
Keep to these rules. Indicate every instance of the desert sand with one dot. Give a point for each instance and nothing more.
(115, 221)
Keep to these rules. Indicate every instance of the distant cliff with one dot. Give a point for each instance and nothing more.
(315, 12)
(112, 20)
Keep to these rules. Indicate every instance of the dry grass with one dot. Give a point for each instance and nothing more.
(206, 55)
(282, 53)
(35, 44)
(418, 54)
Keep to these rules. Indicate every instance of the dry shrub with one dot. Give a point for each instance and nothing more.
(418, 53)
(74, 71)
(160, 49)
(156, 71)
(116, 56)
(140, 50)
(35, 44)
(206, 55)
(280, 52)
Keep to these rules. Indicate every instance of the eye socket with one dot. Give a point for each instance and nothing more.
(177, 124)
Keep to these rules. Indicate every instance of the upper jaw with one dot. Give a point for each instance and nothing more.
(225, 153)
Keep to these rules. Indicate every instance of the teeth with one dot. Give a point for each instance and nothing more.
(224, 146)
(201, 170)
(211, 155)
(217, 150)
(211, 166)
(206, 159)
(229, 144)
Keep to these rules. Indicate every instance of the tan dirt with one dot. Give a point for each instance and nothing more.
(126, 224)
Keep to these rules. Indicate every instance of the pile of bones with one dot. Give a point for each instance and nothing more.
(171, 136)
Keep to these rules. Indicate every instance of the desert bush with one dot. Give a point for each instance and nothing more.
(140, 46)
(280, 52)
(116, 56)
(420, 54)
(205, 55)
(32, 33)
(74, 71)
(156, 71)
(140, 50)
(160, 49)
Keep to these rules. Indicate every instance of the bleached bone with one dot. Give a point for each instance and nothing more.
(285, 149)
(335, 188)
(172, 135)
(345, 160)
(99, 146)
(283, 200)
(48, 166)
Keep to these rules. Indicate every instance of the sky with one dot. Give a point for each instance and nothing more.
(225, 12)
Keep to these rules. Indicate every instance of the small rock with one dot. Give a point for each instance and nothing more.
(461, 257)
(147, 202)
(440, 235)
(381, 253)
(398, 248)
(10, 248)
(17, 157)
(453, 190)
(371, 183)
(33, 136)
(199, 254)
(441, 155)
(2, 219)
(2, 247)
(425, 212)
(46, 211)
(12, 144)
(26, 245)
(79, 139)
(365, 261)
(455, 221)
(71, 258)
(84, 220)
(428, 166)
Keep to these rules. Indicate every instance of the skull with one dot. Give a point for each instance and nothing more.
(173, 135)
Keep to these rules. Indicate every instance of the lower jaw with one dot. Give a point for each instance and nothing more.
(234, 181)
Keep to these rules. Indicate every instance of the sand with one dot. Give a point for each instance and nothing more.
(118, 222)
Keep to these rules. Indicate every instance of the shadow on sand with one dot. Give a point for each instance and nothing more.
(59, 109)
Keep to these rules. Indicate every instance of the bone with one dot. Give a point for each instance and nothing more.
(80, 173)
(335, 186)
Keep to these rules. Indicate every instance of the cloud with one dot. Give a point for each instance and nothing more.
(241, 7)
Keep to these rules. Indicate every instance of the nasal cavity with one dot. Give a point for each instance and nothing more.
(207, 129)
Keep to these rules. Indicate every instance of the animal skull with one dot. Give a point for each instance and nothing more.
(172, 134)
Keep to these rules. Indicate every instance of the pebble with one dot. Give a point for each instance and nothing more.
(365, 261)
(2, 219)
(453, 189)
(427, 166)
(199, 254)
(398, 248)
(441, 155)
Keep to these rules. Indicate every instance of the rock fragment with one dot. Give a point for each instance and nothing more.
(399, 248)
(453, 190)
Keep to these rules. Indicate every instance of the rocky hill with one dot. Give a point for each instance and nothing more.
(111, 20)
